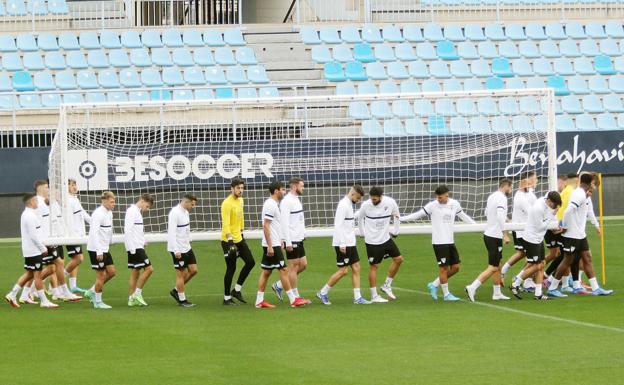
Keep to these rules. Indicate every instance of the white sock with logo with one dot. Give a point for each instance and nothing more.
(357, 293)
(436, 282)
(259, 297)
(445, 289)
(594, 283)
(291, 295)
(373, 291)
(325, 290)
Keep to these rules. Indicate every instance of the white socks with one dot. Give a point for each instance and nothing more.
(295, 291)
(72, 282)
(538, 290)
(576, 284)
(505, 268)
(182, 296)
(373, 291)
(238, 287)
(291, 295)
(278, 284)
(42, 297)
(98, 297)
(259, 297)
(15, 290)
(517, 281)
(594, 283)
(388, 282)
(445, 289)
(497, 289)
(475, 285)
(138, 291)
(565, 281)
(357, 293)
(554, 284)
(436, 282)
(325, 290)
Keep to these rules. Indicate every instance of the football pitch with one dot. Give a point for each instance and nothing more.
(413, 340)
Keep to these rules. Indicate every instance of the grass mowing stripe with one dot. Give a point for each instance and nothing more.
(527, 313)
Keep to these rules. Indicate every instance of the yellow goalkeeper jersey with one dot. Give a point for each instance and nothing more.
(565, 198)
(232, 221)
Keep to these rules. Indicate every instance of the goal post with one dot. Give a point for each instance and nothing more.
(406, 143)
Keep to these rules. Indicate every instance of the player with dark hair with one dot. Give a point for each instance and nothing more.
(134, 240)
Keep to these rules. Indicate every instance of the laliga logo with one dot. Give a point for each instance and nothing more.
(89, 168)
(180, 167)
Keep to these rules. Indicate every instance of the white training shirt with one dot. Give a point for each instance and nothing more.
(374, 220)
(522, 203)
(79, 217)
(100, 231)
(43, 210)
(442, 219)
(134, 233)
(590, 213)
(292, 220)
(575, 215)
(179, 230)
(344, 230)
(271, 212)
(32, 237)
(496, 214)
(540, 216)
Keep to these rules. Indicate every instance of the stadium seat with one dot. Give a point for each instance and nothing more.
(426, 51)
(96, 97)
(257, 74)
(453, 32)
(583, 66)
(97, 59)
(203, 57)
(110, 39)
(215, 75)
(384, 53)
(58, 7)
(393, 127)
(43, 81)
(55, 60)
(151, 78)
(65, 80)
(73, 98)
(376, 71)
(404, 52)
(501, 67)
(268, 92)
(234, 75)
(446, 50)
(487, 106)
(372, 128)
(514, 83)
(321, 54)
(29, 101)
(559, 85)
(187, 94)
(578, 85)
(161, 57)
(466, 107)
(620, 120)
(528, 49)
(467, 50)
(89, 40)
(350, 35)
(15, 8)
(367, 88)
(233, 37)
(36, 7)
(47, 42)
(433, 32)
(129, 78)
(460, 69)
(480, 125)
(363, 52)
(359, 110)
(494, 83)
(542, 67)
(595, 31)
(613, 103)
(247, 93)
(598, 85)
(396, 70)
(7, 43)
(86, 80)
(604, 65)
(380, 109)
(204, 94)
(409, 86)
(182, 57)
(535, 82)
(118, 58)
(535, 32)
(487, 50)
(606, 122)
(616, 84)
(575, 31)
(523, 123)
(418, 70)
(116, 97)
(522, 67)
(171, 38)
(555, 31)
(423, 108)
(444, 107)
(515, 32)
(451, 85)
(474, 32)
(194, 76)
(564, 123)
(439, 69)
(329, 35)
(614, 29)
(508, 49)
(619, 64)
(26, 42)
(508, 106)
(192, 38)
(501, 124)
(245, 56)
(529, 105)
(224, 56)
(431, 85)
(415, 127)
(333, 72)
(68, 41)
(481, 68)
(589, 48)
(388, 87)
(549, 49)
(563, 66)
(345, 89)
(402, 109)
(140, 58)
(413, 34)
(108, 79)
(160, 95)
(354, 70)
(436, 125)
(22, 81)
(585, 122)
(609, 47)
(131, 39)
(33, 61)
(371, 34)
(309, 35)
(151, 39)
(571, 105)
(494, 32)
(342, 53)
(569, 48)
(473, 84)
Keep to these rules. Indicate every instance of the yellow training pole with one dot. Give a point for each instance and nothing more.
(602, 252)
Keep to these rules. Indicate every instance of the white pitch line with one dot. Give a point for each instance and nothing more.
(528, 314)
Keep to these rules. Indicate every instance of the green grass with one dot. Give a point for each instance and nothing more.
(413, 340)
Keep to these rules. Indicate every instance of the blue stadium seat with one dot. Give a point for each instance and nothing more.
(508, 106)
(194, 76)
(54, 60)
(542, 67)
(140, 58)
(564, 123)
(268, 92)
(192, 38)
(589, 48)
(413, 34)
(614, 29)
(563, 66)
(203, 57)
(345, 89)
(86, 80)
(514, 83)
(182, 57)
(598, 85)
(549, 49)
(529, 105)
(535, 31)
(309, 35)
(418, 69)
(436, 125)
(329, 35)
(402, 109)
(619, 64)
(480, 68)
(380, 109)
(151, 39)
(396, 70)
(559, 85)
(160, 95)
(68, 41)
(409, 86)
(606, 122)
(523, 123)
(439, 69)
(110, 39)
(321, 54)
(36, 7)
(474, 32)
(446, 50)
(15, 8)
(47, 42)
(585, 122)
(501, 67)
(555, 31)
(29, 101)
(494, 83)
(383, 52)
(234, 37)
(522, 67)
(620, 120)
(433, 32)
(215, 75)
(487, 106)
(508, 49)
(58, 7)
(96, 97)
(151, 78)
(118, 58)
(131, 39)
(371, 34)
(129, 78)
(247, 93)
(73, 98)
(578, 85)
(426, 51)
(359, 110)
(515, 32)
(487, 50)
(354, 70)
(257, 75)
(444, 107)
(535, 82)
(367, 88)
(97, 59)
(89, 40)
(610, 47)
(333, 72)
(116, 97)
(204, 94)
(393, 127)
(184, 94)
(415, 127)
(33, 61)
(392, 34)
(613, 103)
(22, 81)
(460, 69)
(583, 66)
(214, 38)
(7, 43)
(431, 85)
(501, 124)
(388, 87)
(473, 84)
(453, 32)
(171, 38)
(350, 35)
(173, 77)
(224, 56)
(569, 48)
(404, 52)
(466, 107)
(480, 125)
(363, 52)
(26, 42)
(528, 49)
(161, 57)
(108, 79)
(423, 108)
(451, 85)
(234, 75)
(616, 84)
(43, 81)
(65, 80)
(246, 56)
(575, 31)
(376, 71)
(494, 32)
(467, 50)
(604, 65)
(372, 128)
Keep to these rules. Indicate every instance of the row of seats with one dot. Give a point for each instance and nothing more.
(33, 7)
(111, 39)
(446, 50)
(52, 100)
(457, 32)
(85, 79)
(587, 122)
(120, 58)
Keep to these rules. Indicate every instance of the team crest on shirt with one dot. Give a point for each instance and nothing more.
(443, 260)
(181, 263)
(572, 248)
(281, 263)
(146, 261)
(101, 264)
(370, 260)
(346, 260)
(37, 265)
(500, 248)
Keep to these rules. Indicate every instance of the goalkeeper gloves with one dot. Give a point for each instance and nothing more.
(232, 249)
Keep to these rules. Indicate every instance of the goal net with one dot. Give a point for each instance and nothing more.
(406, 143)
